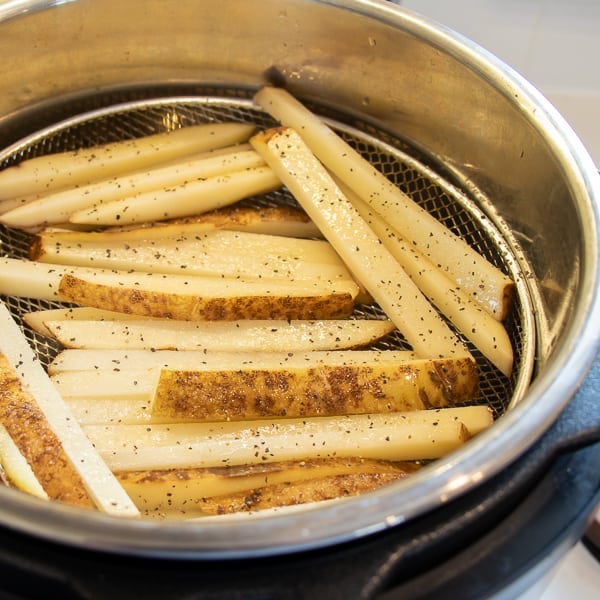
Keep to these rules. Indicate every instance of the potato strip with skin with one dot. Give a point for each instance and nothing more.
(178, 296)
(30, 398)
(198, 298)
(485, 282)
(182, 490)
(362, 251)
(319, 390)
(271, 220)
(342, 485)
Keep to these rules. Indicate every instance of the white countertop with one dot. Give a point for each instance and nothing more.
(553, 43)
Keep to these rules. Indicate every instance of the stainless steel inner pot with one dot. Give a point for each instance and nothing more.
(478, 137)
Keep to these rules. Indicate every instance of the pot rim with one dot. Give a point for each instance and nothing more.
(318, 525)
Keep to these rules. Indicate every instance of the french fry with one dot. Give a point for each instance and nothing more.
(46, 432)
(182, 491)
(273, 220)
(276, 495)
(362, 251)
(318, 388)
(36, 319)
(477, 325)
(181, 199)
(230, 336)
(415, 435)
(57, 207)
(16, 469)
(198, 298)
(122, 360)
(113, 410)
(135, 384)
(217, 253)
(67, 169)
(28, 279)
(178, 296)
(485, 282)
(126, 373)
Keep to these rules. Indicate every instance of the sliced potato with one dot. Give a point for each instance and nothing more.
(46, 432)
(123, 360)
(184, 490)
(134, 373)
(4, 477)
(178, 296)
(36, 319)
(217, 253)
(198, 298)
(135, 384)
(57, 207)
(273, 220)
(182, 199)
(57, 171)
(363, 252)
(283, 220)
(330, 487)
(17, 471)
(322, 389)
(111, 410)
(473, 272)
(259, 335)
(477, 324)
(19, 277)
(415, 435)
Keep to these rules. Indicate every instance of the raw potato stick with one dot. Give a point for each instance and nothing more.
(133, 372)
(331, 487)
(477, 325)
(219, 253)
(312, 391)
(59, 206)
(112, 410)
(181, 199)
(36, 319)
(20, 201)
(415, 435)
(181, 490)
(178, 296)
(274, 220)
(122, 360)
(261, 336)
(66, 169)
(38, 402)
(197, 298)
(134, 384)
(362, 251)
(485, 282)
(16, 469)
(28, 279)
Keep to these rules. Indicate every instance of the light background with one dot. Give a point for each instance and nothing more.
(555, 44)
